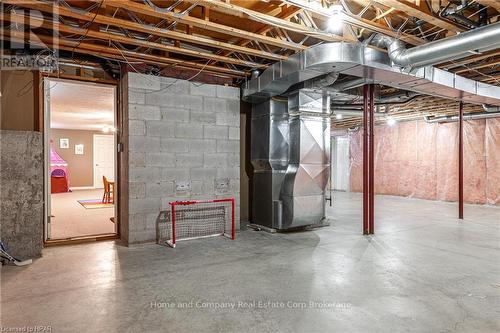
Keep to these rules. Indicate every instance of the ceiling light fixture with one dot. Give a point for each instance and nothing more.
(391, 121)
(335, 23)
(338, 116)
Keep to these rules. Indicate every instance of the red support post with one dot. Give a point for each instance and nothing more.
(365, 160)
(232, 218)
(371, 163)
(461, 161)
(173, 224)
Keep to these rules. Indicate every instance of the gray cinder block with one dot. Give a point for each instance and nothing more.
(228, 92)
(159, 128)
(171, 145)
(173, 114)
(201, 146)
(136, 127)
(215, 132)
(142, 81)
(202, 89)
(190, 131)
(212, 104)
(160, 159)
(143, 143)
(144, 112)
(224, 146)
(188, 160)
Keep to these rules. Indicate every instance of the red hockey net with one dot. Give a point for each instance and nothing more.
(200, 218)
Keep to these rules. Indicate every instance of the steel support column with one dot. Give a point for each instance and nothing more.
(368, 159)
(461, 161)
(366, 104)
(371, 165)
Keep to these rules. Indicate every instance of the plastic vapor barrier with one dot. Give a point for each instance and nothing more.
(420, 160)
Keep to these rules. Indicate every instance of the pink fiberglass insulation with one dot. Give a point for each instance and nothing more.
(492, 149)
(420, 160)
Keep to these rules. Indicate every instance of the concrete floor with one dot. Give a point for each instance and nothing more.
(424, 271)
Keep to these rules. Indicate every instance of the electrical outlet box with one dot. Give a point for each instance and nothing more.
(222, 185)
(183, 186)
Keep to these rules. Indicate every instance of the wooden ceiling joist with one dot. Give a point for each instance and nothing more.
(111, 52)
(194, 39)
(358, 22)
(494, 62)
(469, 60)
(39, 22)
(241, 12)
(202, 24)
(413, 10)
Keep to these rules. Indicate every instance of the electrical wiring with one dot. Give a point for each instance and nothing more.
(168, 86)
(91, 22)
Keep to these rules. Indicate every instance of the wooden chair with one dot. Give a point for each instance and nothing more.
(109, 191)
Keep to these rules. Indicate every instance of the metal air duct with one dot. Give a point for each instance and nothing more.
(290, 154)
(367, 63)
(491, 108)
(479, 40)
(469, 116)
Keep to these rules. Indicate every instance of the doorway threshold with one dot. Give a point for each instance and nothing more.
(81, 239)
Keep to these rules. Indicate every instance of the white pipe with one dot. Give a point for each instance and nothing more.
(491, 108)
(469, 116)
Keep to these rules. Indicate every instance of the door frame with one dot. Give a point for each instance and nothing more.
(93, 156)
(45, 117)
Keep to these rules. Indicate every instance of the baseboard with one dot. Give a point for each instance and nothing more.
(82, 188)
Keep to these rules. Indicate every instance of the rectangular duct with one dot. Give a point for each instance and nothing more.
(290, 152)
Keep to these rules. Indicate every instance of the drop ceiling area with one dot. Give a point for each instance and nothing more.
(81, 106)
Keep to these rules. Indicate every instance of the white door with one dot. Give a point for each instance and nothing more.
(104, 159)
(341, 164)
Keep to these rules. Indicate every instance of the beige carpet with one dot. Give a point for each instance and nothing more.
(70, 219)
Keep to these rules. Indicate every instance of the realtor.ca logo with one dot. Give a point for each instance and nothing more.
(29, 39)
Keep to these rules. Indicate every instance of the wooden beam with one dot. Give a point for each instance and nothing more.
(469, 60)
(39, 22)
(202, 24)
(89, 17)
(105, 51)
(285, 15)
(418, 12)
(360, 23)
(253, 15)
(492, 63)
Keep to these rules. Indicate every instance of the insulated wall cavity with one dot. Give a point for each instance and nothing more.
(420, 160)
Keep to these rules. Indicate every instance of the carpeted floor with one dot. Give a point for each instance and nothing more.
(71, 219)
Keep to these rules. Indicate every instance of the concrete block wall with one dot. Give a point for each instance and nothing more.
(180, 132)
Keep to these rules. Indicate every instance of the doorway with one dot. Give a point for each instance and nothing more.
(80, 160)
(340, 163)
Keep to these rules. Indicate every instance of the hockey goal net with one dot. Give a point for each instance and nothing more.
(199, 219)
